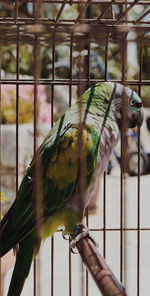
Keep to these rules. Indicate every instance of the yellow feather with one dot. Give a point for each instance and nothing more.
(66, 217)
(63, 167)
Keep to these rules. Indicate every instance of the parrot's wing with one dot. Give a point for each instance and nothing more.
(59, 171)
(19, 220)
(62, 170)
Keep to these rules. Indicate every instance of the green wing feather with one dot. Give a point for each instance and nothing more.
(59, 170)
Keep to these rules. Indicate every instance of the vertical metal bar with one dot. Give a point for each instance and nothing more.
(37, 177)
(53, 78)
(70, 274)
(71, 68)
(52, 120)
(17, 108)
(138, 220)
(52, 265)
(1, 282)
(123, 211)
(138, 178)
(104, 176)
(86, 272)
(104, 215)
(106, 57)
(123, 162)
(53, 55)
(16, 11)
(17, 96)
(81, 160)
(70, 99)
(52, 105)
(88, 61)
(34, 149)
(87, 214)
(2, 276)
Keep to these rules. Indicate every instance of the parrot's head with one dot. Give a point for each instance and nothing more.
(128, 101)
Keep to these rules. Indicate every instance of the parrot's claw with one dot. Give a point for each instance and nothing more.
(65, 236)
(80, 232)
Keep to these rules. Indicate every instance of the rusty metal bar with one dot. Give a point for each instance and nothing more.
(37, 186)
(73, 82)
(70, 274)
(86, 272)
(109, 5)
(71, 68)
(104, 215)
(100, 271)
(61, 10)
(106, 57)
(53, 78)
(82, 11)
(52, 266)
(16, 11)
(17, 109)
(126, 10)
(138, 220)
(138, 182)
(142, 16)
(52, 122)
(65, 22)
(123, 160)
(128, 2)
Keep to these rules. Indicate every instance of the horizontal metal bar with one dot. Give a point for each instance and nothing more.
(58, 22)
(118, 229)
(118, 2)
(115, 229)
(72, 82)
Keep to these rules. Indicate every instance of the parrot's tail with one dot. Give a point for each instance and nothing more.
(22, 266)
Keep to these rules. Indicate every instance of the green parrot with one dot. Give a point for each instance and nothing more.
(94, 121)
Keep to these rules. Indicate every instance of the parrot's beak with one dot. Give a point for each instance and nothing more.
(137, 119)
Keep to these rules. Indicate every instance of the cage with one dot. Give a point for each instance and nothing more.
(51, 52)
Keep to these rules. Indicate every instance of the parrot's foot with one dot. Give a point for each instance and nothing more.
(65, 236)
(80, 232)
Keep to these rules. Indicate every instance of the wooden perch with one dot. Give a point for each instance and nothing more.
(100, 271)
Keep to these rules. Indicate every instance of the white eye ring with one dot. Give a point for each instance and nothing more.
(132, 102)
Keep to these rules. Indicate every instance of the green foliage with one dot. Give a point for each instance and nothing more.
(9, 58)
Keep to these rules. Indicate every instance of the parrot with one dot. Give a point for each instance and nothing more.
(94, 122)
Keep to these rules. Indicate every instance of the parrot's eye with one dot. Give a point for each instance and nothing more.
(132, 103)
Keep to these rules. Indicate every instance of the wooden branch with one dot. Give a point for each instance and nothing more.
(100, 271)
